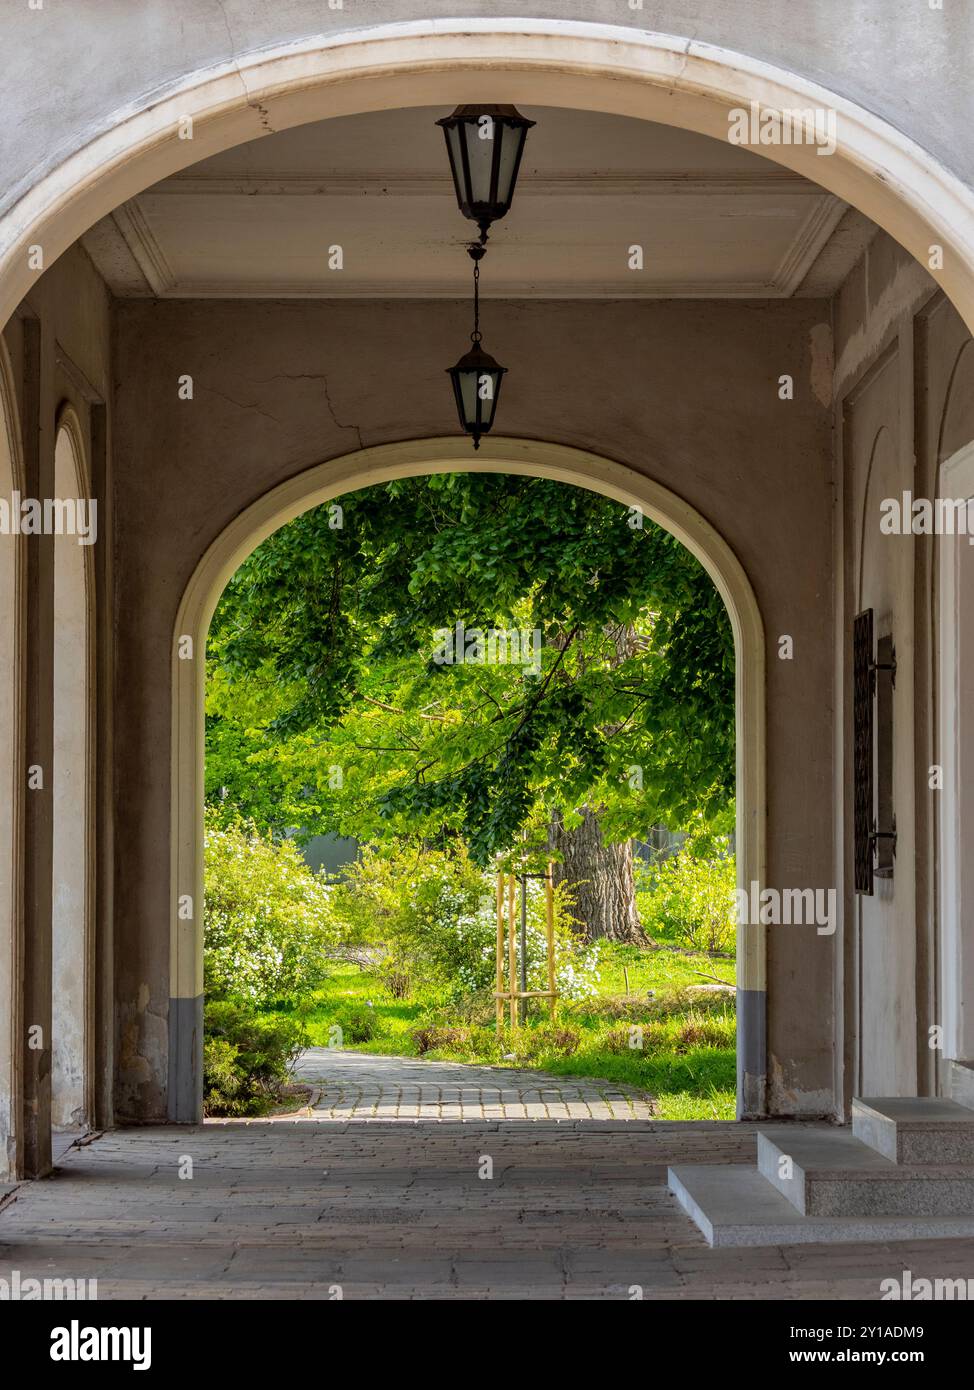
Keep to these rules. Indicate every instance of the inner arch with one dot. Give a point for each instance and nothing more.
(367, 467)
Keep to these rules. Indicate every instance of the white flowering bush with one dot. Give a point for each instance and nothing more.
(468, 952)
(399, 898)
(436, 914)
(267, 919)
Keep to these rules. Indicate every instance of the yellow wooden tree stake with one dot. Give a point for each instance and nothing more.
(500, 952)
(511, 958)
(549, 889)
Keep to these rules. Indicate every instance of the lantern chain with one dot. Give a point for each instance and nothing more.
(476, 254)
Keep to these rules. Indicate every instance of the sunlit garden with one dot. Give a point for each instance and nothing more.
(594, 745)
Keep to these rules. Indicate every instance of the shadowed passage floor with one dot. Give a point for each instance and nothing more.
(483, 1209)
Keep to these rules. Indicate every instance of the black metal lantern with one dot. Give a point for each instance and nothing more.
(485, 144)
(476, 385)
(476, 377)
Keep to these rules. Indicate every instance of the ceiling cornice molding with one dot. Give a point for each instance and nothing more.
(809, 243)
(568, 289)
(141, 241)
(802, 253)
(421, 185)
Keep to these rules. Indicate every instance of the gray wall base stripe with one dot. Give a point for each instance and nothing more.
(752, 1045)
(185, 1060)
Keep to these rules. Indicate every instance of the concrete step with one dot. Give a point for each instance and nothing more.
(960, 1083)
(915, 1130)
(733, 1204)
(829, 1172)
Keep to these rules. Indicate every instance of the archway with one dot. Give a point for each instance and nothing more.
(370, 466)
(11, 770)
(71, 1072)
(611, 69)
(566, 63)
(955, 618)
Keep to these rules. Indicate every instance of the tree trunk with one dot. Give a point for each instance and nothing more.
(601, 880)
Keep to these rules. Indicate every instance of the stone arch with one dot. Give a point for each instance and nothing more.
(376, 465)
(609, 68)
(614, 69)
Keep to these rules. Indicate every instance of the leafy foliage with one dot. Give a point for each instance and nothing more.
(436, 913)
(325, 710)
(690, 897)
(246, 1058)
(267, 923)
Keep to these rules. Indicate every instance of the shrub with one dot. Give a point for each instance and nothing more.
(486, 1044)
(478, 1010)
(436, 912)
(246, 1058)
(397, 983)
(357, 1022)
(677, 1034)
(697, 1030)
(548, 1038)
(690, 898)
(615, 1040)
(622, 1038)
(392, 896)
(630, 1008)
(267, 920)
(432, 1038)
(461, 946)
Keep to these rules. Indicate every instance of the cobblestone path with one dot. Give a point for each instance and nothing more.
(358, 1086)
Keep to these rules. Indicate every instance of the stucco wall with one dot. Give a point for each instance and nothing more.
(684, 392)
(904, 404)
(60, 353)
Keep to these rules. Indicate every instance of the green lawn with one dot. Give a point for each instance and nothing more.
(687, 1057)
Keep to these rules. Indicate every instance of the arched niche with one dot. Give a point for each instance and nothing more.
(71, 911)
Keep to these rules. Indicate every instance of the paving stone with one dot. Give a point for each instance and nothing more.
(363, 1087)
(394, 1210)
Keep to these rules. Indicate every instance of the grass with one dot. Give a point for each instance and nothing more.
(687, 1058)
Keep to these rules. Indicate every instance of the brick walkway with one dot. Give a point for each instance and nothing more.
(385, 1211)
(358, 1086)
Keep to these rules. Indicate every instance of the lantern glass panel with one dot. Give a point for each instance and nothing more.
(468, 395)
(510, 148)
(480, 158)
(454, 140)
(488, 389)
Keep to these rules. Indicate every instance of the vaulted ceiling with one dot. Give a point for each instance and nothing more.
(713, 220)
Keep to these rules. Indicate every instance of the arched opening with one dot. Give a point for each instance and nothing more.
(11, 771)
(383, 464)
(952, 584)
(72, 783)
(650, 78)
(589, 67)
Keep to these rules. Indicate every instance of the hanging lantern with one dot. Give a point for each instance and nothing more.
(476, 377)
(485, 144)
(476, 385)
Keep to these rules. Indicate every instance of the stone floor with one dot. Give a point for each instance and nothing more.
(574, 1209)
(358, 1086)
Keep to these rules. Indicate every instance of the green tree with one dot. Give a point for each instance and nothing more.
(327, 709)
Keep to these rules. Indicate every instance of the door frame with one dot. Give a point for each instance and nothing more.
(955, 967)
